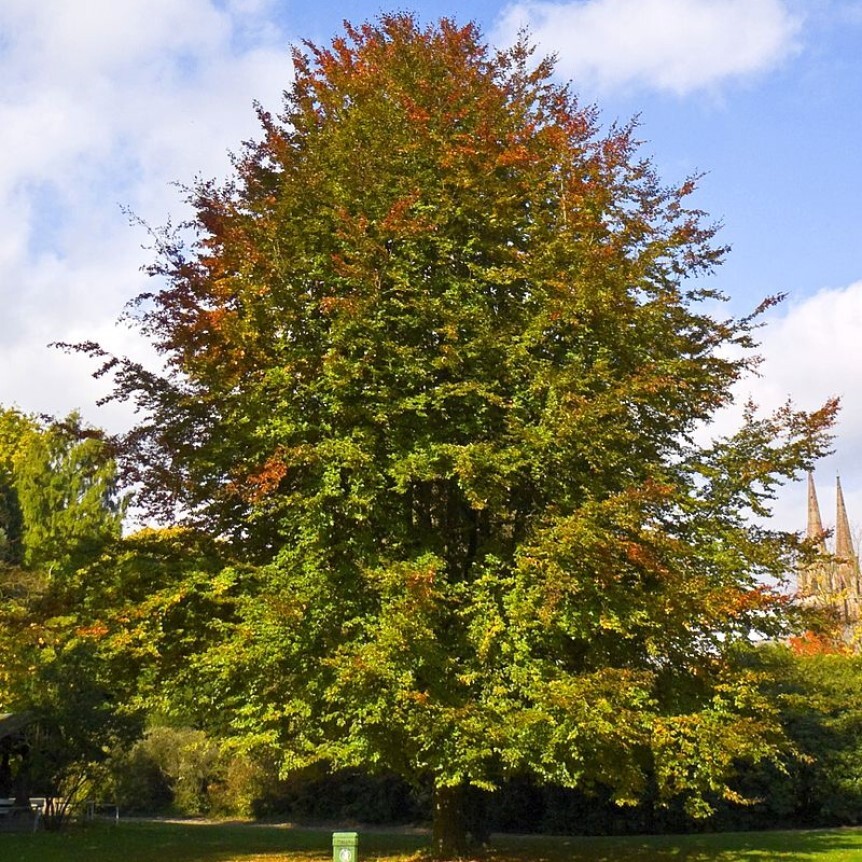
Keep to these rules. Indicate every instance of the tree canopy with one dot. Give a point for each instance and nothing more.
(60, 508)
(436, 363)
(60, 500)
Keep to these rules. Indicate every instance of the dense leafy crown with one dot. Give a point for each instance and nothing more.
(435, 359)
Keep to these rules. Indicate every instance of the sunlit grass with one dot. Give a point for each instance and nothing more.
(195, 842)
(190, 842)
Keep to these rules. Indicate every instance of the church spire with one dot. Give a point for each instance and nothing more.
(813, 577)
(846, 566)
(843, 539)
(831, 580)
(815, 524)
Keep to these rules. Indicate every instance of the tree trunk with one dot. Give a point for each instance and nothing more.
(5, 774)
(449, 831)
(476, 817)
(22, 779)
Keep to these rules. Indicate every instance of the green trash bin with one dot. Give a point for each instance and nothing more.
(345, 847)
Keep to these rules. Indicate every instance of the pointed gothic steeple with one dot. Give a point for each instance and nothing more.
(846, 565)
(833, 580)
(843, 539)
(811, 579)
(815, 523)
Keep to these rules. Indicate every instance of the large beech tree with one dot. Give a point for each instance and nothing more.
(434, 363)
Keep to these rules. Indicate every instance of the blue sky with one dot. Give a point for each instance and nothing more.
(104, 104)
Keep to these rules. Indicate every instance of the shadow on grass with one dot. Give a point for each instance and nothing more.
(835, 845)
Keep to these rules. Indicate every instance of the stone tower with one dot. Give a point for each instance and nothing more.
(810, 577)
(833, 579)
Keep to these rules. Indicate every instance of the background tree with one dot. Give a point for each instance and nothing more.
(15, 429)
(819, 690)
(68, 496)
(61, 508)
(435, 360)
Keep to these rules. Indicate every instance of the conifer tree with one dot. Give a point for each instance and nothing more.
(68, 495)
(60, 508)
(15, 429)
(60, 500)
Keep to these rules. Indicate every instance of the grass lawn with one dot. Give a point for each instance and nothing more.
(190, 842)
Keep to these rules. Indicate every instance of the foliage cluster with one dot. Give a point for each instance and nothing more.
(819, 698)
(181, 770)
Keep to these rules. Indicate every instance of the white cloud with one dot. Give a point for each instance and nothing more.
(673, 45)
(810, 351)
(106, 104)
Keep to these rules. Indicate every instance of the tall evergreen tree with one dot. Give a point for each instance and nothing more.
(60, 509)
(436, 360)
(15, 429)
(60, 500)
(68, 495)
